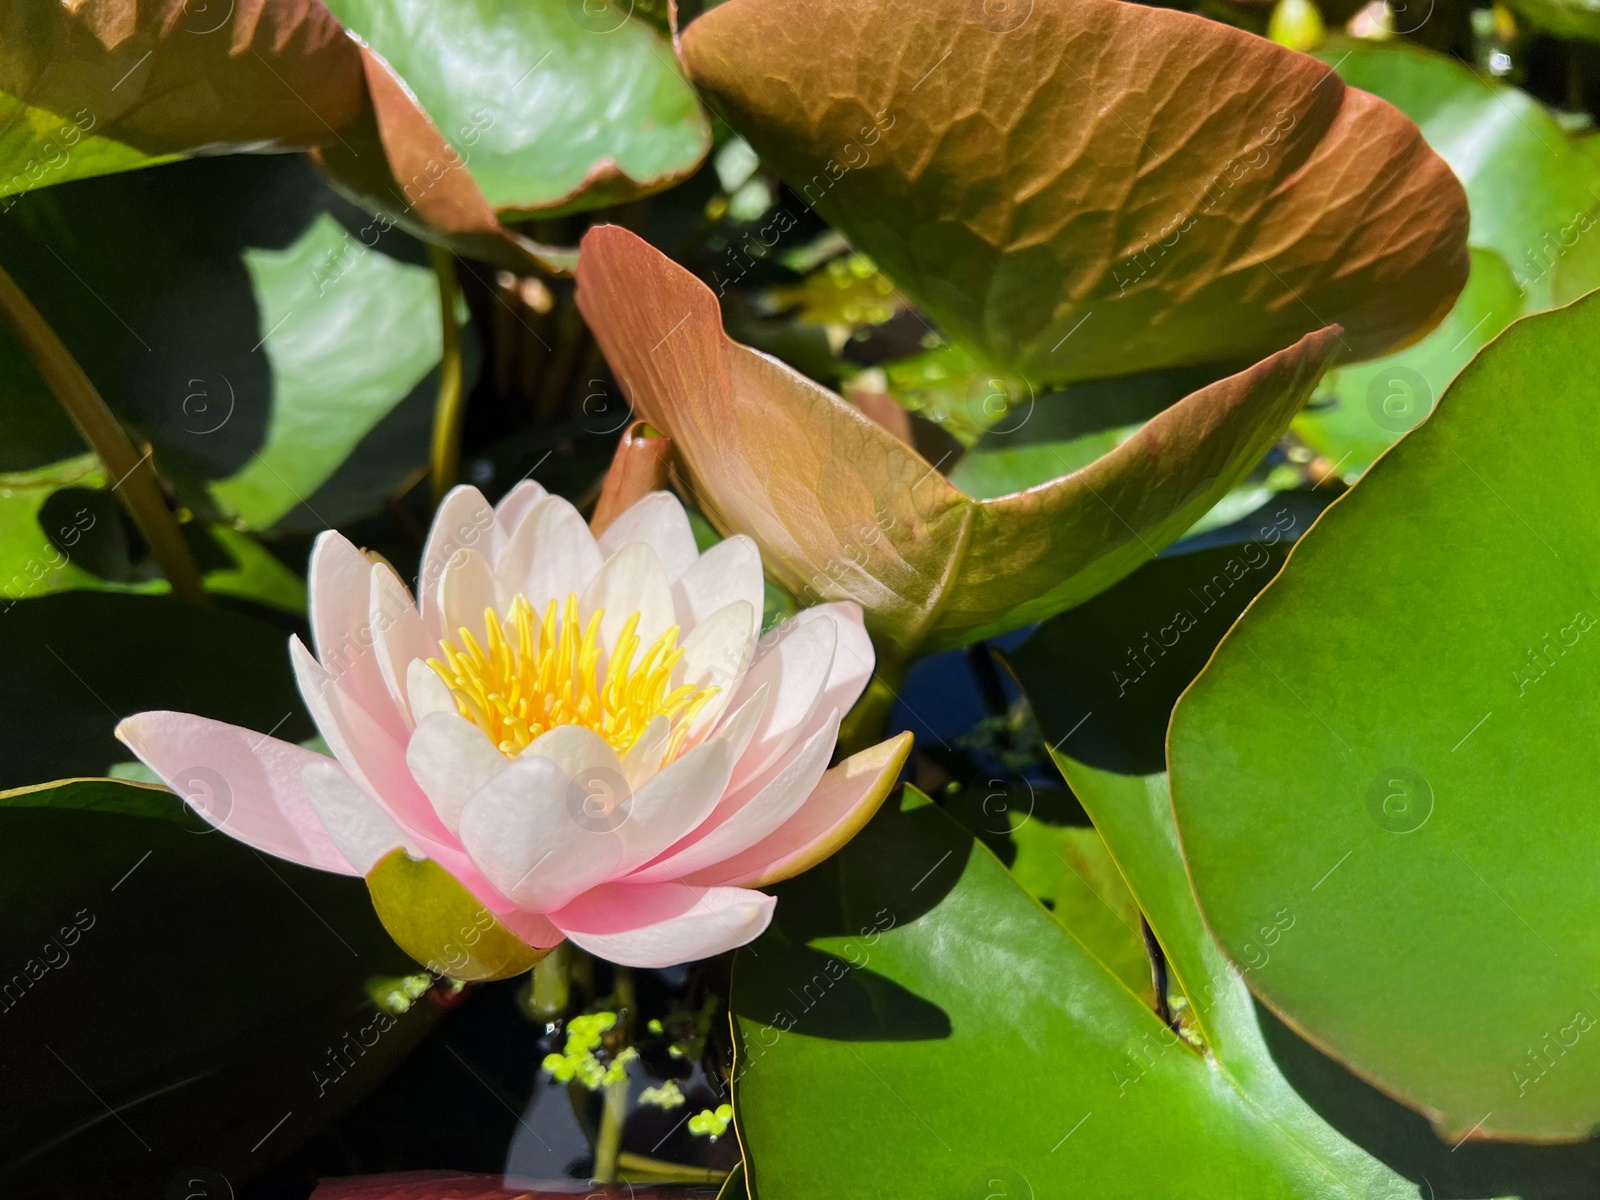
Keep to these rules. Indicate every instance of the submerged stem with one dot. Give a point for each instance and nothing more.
(552, 984)
(449, 411)
(135, 476)
(608, 1145)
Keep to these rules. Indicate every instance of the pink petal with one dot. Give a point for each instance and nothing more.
(663, 924)
(339, 581)
(245, 784)
(632, 581)
(796, 669)
(833, 814)
(467, 590)
(550, 555)
(536, 929)
(729, 571)
(528, 832)
(748, 815)
(451, 758)
(374, 757)
(673, 802)
(360, 826)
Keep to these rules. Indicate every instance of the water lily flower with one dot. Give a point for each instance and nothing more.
(590, 735)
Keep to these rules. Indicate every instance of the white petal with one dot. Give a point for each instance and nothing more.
(658, 520)
(663, 925)
(358, 825)
(550, 555)
(451, 758)
(796, 669)
(398, 635)
(717, 651)
(632, 580)
(521, 831)
(743, 819)
(467, 590)
(673, 802)
(463, 521)
(643, 758)
(513, 506)
(588, 760)
(716, 654)
(427, 693)
(338, 581)
(853, 657)
(729, 571)
(740, 726)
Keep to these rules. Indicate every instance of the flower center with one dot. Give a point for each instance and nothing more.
(535, 675)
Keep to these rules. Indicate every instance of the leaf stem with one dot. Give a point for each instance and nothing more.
(639, 1168)
(552, 984)
(608, 1144)
(449, 410)
(135, 476)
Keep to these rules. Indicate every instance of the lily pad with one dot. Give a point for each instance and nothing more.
(92, 89)
(1533, 190)
(80, 661)
(908, 985)
(255, 327)
(551, 106)
(62, 528)
(842, 509)
(1394, 748)
(198, 991)
(1091, 188)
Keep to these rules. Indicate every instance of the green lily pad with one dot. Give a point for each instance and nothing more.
(61, 528)
(442, 925)
(258, 330)
(204, 994)
(1395, 748)
(951, 1040)
(1066, 867)
(90, 90)
(1563, 18)
(552, 105)
(1533, 190)
(77, 662)
(1360, 411)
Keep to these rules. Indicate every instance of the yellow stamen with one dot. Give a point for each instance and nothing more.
(535, 675)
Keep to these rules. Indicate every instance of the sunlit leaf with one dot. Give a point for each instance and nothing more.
(255, 327)
(549, 105)
(1533, 191)
(1394, 748)
(911, 992)
(109, 85)
(842, 509)
(1092, 188)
